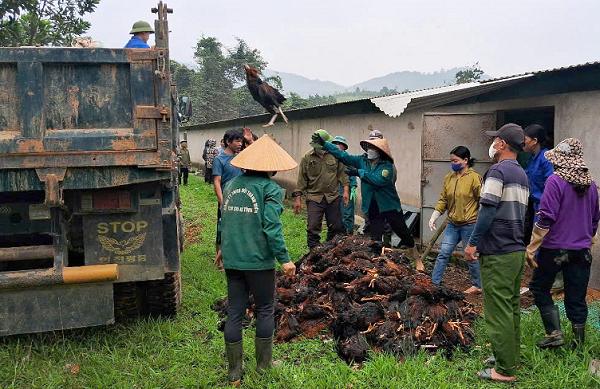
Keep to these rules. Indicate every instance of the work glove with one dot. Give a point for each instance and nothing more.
(351, 171)
(537, 236)
(316, 138)
(436, 214)
(353, 194)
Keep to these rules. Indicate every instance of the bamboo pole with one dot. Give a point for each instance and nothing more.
(434, 239)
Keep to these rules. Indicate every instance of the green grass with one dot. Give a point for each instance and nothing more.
(188, 352)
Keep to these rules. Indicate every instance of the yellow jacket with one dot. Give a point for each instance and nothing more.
(460, 197)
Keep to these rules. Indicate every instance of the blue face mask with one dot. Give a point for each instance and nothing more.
(456, 167)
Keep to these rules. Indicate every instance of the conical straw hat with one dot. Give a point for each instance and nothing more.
(264, 155)
(381, 144)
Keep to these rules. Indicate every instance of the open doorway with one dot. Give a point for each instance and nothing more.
(544, 116)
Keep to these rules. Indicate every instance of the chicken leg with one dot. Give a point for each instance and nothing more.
(283, 115)
(270, 123)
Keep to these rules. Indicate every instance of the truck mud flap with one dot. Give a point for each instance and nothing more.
(134, 241)
(56, 307)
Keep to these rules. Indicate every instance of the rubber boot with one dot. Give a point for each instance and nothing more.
(264, 354)
(234, 361)
(578, 335)
(387, 240)
(417, 258)
(558, 284)
(551, 320)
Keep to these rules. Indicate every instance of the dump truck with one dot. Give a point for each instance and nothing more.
(90, 225)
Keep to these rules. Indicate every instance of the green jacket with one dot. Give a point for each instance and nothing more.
(251, 227)
(319, 177)
(185, 157)
(375, 181)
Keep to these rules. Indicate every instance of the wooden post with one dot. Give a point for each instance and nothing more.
(434, 239)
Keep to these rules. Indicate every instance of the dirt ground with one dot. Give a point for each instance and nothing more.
(458, 278)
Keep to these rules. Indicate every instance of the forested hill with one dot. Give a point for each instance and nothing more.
(400, 81)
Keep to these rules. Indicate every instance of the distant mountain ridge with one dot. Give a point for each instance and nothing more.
(305, 86)
(400, 81)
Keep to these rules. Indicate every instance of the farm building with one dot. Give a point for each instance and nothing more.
(423, 126)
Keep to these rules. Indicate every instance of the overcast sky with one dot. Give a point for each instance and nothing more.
(348, 41)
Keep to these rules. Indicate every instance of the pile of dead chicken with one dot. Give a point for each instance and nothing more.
(367, 301)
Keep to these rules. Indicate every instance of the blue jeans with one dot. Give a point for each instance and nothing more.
(452, 236)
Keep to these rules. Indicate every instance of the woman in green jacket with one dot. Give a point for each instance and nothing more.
(460, 197)
(380, 200)
(252, 240)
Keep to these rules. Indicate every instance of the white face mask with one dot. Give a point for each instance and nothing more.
(372, 154)
(320, 151)
(492, 152)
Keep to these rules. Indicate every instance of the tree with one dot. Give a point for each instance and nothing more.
(43, 22)
(470, 74)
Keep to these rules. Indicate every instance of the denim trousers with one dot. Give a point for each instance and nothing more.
(452, 236)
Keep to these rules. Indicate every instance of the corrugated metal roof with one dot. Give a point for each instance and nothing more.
(570, 67)
(395, 105)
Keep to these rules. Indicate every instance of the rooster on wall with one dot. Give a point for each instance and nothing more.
(265, 94)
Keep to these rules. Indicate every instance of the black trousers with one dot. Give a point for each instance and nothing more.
(576, 274)
(240, 284)
(529, 219)
(208, 175)
(396, 220)
(333, 215)
(183, 171)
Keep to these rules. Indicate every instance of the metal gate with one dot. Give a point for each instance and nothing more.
(442, 132)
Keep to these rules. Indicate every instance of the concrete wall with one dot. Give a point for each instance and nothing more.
(576, 115)
(404, 136)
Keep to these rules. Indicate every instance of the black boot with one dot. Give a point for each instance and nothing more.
(264, 353)
(387, 240)
(578, 335)
(551, 320)
(234, 360)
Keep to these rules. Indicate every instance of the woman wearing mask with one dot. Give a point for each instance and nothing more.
(568, 220)
(538, 170)
(460, 197)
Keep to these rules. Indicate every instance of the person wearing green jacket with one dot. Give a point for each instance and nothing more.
(380, 200)
(253, 201)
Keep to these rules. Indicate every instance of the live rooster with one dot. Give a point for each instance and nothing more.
(265, 94)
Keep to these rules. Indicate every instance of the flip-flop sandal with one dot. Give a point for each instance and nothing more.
(486, 374)
(490, 361)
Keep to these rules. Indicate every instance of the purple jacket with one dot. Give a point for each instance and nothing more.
(572, 220)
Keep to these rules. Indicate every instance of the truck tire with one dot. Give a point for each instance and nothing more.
(128, 299)
(163, 297)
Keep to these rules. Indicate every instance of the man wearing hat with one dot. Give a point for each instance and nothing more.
(255, 202)
(498, 237)
(347, 210)
(380, 200)
(319, 176)
(141, 31)
(185, 162)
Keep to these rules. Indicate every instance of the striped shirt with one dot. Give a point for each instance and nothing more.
(506, 188)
